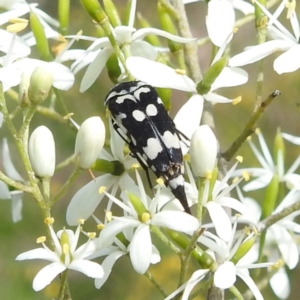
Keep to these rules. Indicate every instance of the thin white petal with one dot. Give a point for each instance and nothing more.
(107, 265)
(158, 74)
(94, 69)
(176, 220)
(88, 268)
(220, 219)
(4, 191)
(85, 201)
(192, 109)
(291, 138)
(255, 53)
(46, 275)
(219, 21)
(17, 204)
(251, 285)
(141, 249)
(230, 77)
(39, 253)
(258, 183)
(141, 33)
(280, 284)
(143, 49)
(215, 98)
(225, 276)
(288, 61)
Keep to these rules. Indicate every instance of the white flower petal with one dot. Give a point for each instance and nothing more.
(107, 265)
(158, 74)
(143, 49)
(94, 69)
(256, 53)
(85, 201)
(225, 276)
(39, 253)
(220, 219)
(289, 61)
(286, 244)
(192, 109)
(251, 284)
(17, 204)
(280, 284)
(219, 21)
(141, 249)
(291, 138)
(258, 183)
(215, 98)
(176, 220)
(142, 33)
(230, 77)
(195, 278)
(88, 268)
(4, 191)
(46, 275)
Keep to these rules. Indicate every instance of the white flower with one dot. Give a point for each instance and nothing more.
(99, 52)
(203, 144)
(5, 193)
(41, 151)
(65, 256)
(141, 243)
(218, 203)
(80, 209)
(283, 40)
(160, 75)
(265, 174)
(227, 271)
(89, 141)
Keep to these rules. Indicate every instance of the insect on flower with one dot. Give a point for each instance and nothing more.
(140, 118)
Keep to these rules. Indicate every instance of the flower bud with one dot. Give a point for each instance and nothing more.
(63, 15)
(23, 88)
(112, 13)
(89, 141)
(40, 84)
(203, 151)
(42, 152)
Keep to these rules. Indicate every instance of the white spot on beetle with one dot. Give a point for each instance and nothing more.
(138, 115)
(153, 148)
(175, 182)
(159, 101)
(171, 140)
(151, 110)
(121, 99)
(141, 90)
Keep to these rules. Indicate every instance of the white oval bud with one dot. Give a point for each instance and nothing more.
(89, 141)
(203, 151)
(42, 152)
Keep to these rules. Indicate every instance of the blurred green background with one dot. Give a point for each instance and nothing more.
(16, 277)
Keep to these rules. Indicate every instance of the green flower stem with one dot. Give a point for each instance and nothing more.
(204, 285)
(235, 292)
(63, 285)
(201, 184)
(35, 191)
(170, 9)
(67, 184)
(250, 126)
(63, 15)
(26, 121)
(269, 221)
(15, 184)
(51, 114)
(106, 27)
(190, 49)
(66, 162)
(156, 284)
(159, 233)
(46, 188)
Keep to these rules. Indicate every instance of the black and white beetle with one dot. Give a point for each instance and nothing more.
(141, 119)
